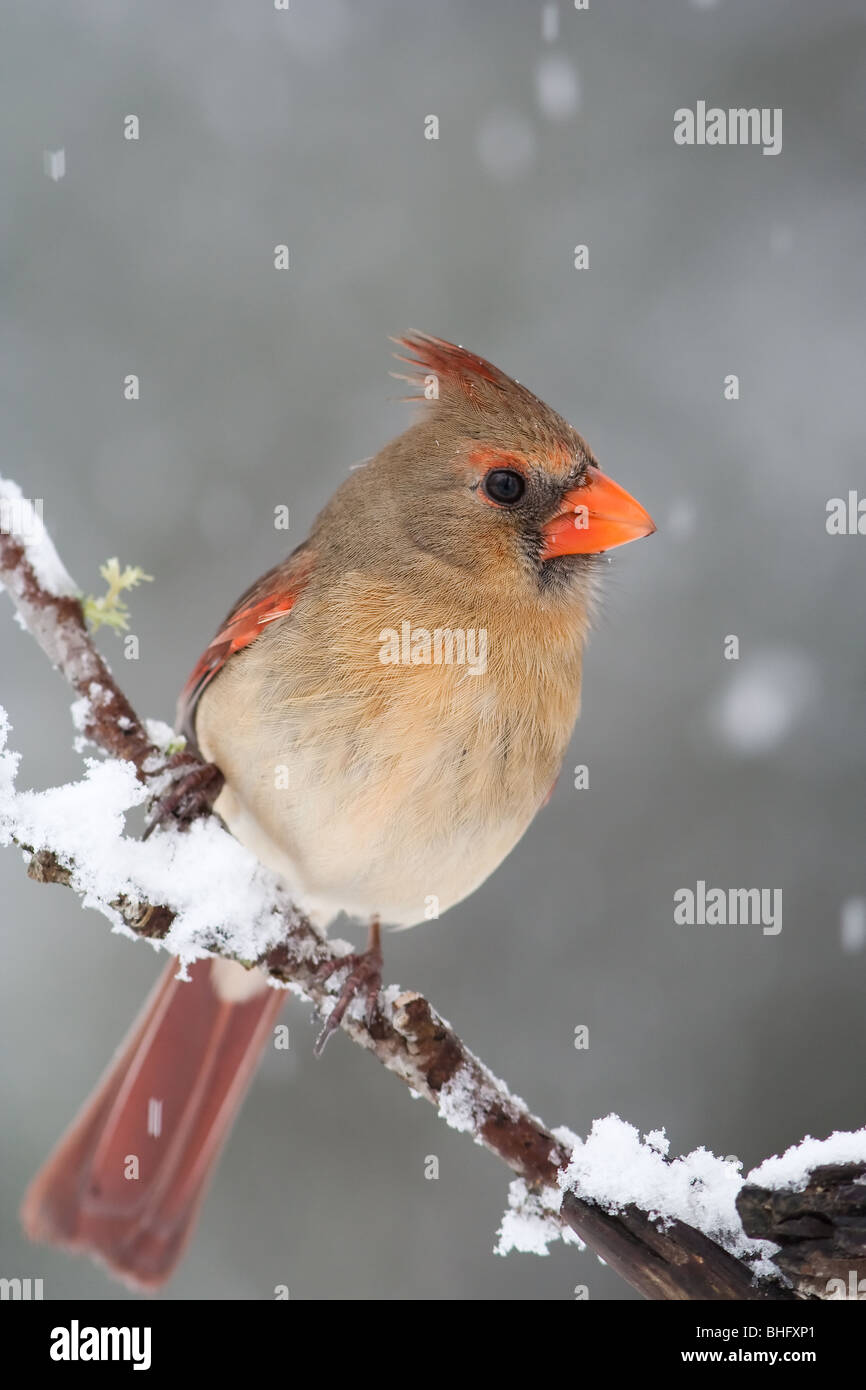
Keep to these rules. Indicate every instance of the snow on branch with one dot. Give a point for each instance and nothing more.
(682, 1229)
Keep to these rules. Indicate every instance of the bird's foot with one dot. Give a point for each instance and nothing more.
(193, 788)
(364, 978)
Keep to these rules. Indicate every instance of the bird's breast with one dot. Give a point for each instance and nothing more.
(393, 788)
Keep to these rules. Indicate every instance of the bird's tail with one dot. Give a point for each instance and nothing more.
(126, 1181)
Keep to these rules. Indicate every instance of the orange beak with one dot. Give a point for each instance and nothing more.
(597, 516)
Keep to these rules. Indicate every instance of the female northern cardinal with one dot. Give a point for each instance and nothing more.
(370, 756)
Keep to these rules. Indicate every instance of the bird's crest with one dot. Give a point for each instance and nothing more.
(439, 367)
(472, 390)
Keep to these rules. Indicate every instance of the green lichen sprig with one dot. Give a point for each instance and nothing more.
(111, 610)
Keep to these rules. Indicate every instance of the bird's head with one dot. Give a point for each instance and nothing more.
(496, 484)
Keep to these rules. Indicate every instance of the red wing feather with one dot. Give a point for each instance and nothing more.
(271, 597)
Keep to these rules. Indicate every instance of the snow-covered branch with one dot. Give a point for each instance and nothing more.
(49, 607)
(672, 1229)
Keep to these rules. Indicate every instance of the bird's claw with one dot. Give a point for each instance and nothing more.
(364, 978)
(193, 789)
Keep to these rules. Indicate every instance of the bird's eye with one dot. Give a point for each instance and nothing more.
(504, 486)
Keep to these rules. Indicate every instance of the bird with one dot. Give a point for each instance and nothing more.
(387, 709)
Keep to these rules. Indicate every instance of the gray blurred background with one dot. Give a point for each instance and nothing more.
(261, 388)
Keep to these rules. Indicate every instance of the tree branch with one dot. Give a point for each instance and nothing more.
(821, 1229)
(406, 1034)
(674, 1262)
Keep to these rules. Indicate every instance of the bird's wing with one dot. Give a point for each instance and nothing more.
(271, 597)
